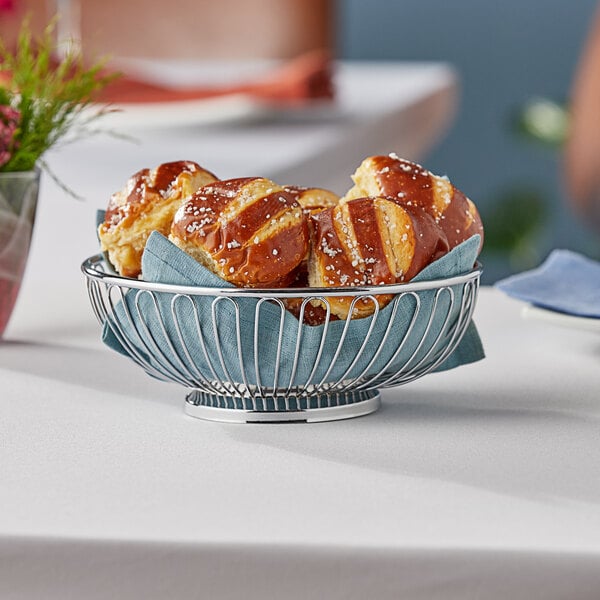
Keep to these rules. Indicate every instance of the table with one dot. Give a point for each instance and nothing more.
(479, 482)
(482, 482)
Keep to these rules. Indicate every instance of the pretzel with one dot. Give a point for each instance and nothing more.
(248, 231)
(370, 242)
(147, 203)
(409, 184)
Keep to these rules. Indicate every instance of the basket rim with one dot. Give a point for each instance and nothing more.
(91, 270)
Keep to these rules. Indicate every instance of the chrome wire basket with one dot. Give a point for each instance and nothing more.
(244, 358)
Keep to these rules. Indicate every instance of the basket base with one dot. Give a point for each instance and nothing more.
(201, 406)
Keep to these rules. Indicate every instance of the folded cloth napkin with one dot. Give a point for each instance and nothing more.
(143, 323)
(303, 79)
(566, 282)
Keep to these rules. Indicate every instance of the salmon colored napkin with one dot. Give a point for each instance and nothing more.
(304, 79)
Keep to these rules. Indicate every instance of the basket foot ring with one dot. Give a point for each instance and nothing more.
(359, 408)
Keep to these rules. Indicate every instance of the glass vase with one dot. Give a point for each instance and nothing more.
(18, 202)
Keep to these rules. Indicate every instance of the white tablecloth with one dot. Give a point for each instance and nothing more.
(482, 482)
(479, 482)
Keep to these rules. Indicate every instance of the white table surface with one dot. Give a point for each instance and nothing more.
(482, 482)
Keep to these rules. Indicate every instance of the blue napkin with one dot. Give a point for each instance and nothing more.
(566, 282)
(140, 317)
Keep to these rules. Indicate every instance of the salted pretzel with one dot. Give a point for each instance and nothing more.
(370, 242)
(147, 203)
(410, 184)
(249, 231)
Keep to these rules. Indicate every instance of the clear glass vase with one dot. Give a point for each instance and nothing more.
(18, 202)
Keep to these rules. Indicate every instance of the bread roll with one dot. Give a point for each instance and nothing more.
(147, 203)
(248, 231)
(409, 184)
(314, 313)
(370, 241)
(312, 200)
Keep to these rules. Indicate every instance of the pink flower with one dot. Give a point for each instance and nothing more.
(9, 122)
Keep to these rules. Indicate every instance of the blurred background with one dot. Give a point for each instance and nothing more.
(507, 54)
(516, 62)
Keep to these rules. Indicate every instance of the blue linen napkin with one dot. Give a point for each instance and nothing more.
(163, 262)
(566, 282)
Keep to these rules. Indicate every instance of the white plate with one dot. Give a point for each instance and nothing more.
(233, 109)
(226, 109)
(562, 319)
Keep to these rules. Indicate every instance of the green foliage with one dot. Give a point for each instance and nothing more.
(543, 121)
(514, 220)
(52, 97)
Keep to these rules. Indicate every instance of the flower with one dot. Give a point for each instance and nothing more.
(9, 120)
(43, 99)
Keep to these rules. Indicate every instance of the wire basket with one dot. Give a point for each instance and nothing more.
(244, 358)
